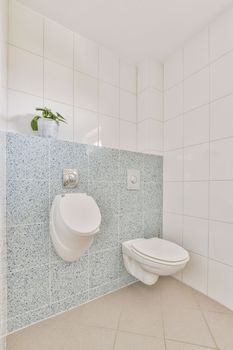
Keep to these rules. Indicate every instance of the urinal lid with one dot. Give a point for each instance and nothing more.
(80, 212)
(160, 249)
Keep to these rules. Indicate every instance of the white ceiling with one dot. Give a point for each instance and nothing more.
(134, 29)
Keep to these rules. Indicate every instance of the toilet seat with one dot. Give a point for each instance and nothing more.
(159, 251)
(79, 213)
(147, 259)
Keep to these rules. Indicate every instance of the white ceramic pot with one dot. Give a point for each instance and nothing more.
(47, 128)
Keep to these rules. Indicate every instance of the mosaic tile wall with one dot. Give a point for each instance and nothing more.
(40, 284)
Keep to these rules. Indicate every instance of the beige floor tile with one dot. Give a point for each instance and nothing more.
(91, 338)
(88, 338)
(129, 341)
(142, 319)
(176, 294)
(186, 325)
(51, 334)
(221, 326)
(103, 312)
(141, 294)
(208, 304)
(173, 345)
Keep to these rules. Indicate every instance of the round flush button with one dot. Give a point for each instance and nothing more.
(133, 179)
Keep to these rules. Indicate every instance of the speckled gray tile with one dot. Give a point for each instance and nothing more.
(27, 157)
(27, 202)
(153, 168)
(104, 289)
(67, 155)
(28, 290)
(108, 235)
(103, 164)
(103, 267)
(66, 304)
(152, 224)
(130, 226)
(130, 160)
(106, 196)
(130, 200)
(68, 279)
(27, 246)
(126, 279)
(60, 285)
(28, 318)
(153, 197)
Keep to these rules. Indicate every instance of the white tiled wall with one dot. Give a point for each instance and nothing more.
(150, 106)
(93, 88)
(3, 94)
(198, 144)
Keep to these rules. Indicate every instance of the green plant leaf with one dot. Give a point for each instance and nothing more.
(34, 123)
(47, 113)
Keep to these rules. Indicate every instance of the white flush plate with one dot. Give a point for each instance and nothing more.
(133, 179)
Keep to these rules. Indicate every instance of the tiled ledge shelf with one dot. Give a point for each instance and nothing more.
(40, 284)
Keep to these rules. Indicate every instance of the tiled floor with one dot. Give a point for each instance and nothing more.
(166, 316)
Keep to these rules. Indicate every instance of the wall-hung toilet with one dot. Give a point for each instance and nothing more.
(147, 259)
(74, 220)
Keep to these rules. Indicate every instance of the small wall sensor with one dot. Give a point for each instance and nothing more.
(133, 179)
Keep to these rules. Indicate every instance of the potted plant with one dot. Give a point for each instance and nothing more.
(48, 123)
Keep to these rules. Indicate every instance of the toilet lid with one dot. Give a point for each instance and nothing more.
(160, 249)
(80, 212)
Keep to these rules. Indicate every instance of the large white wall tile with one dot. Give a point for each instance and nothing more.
(173, 69)
(86, 127)
(220, 283)
(156, 75)
(58, 83)
(221, 200)
(196, 53)
(108, 99)
(221, 242)
(195, 273)
(25, 71)
(58, 43)
(108, 67)
(221, 159)
(196, 199)
(128, 106)
(128, 136)
(150, 75)
(150, 136)
(109, 132)
(86, 92)
(155, 135)
(221, 122)
(173, 102)
(25, 28)
(173, 134)
(173, 227)
(21, 109)
(195, 235)
(173, 165)
(66, 131)
(221, 38)
(143, 136)
(196, 90)
(86, 56)
(128, 77)
(196, 126)
(221, 80)
(173, 197)
(150, 105)
(196, 162)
